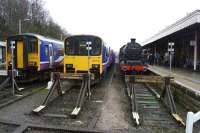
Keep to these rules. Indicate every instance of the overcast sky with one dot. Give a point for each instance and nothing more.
(116, 21)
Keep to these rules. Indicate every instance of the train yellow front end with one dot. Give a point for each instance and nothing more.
(26, 53)
(81, 64)
(83, 54)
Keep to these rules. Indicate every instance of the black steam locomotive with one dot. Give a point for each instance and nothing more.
(131, 58)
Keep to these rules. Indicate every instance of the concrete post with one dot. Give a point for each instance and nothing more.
(20, 26)
(195, 52)
(155, 60)
(189, 122)
(191, 119)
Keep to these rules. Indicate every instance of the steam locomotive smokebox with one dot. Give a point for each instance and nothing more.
(131, 52)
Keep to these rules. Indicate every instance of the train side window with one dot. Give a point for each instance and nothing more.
(107, 52)
(46, 50)
(69, 48)
(50, 51)
(33, 45)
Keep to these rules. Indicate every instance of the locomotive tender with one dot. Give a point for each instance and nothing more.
(131, 58)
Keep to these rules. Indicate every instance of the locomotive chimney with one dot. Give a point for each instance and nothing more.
(132, 40)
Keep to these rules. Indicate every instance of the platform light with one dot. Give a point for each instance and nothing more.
(171, 43)
(171, 51)
(20, 24)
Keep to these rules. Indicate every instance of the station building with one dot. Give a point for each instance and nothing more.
(185, 34)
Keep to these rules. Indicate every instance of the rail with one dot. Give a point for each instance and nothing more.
(191, 119)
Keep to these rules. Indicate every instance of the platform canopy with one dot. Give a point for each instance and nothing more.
(189, 20)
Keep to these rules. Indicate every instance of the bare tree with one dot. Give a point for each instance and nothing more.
(13, 10)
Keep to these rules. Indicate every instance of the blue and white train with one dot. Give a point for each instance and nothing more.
(34, 53)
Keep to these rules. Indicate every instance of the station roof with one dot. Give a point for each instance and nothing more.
(189, 20)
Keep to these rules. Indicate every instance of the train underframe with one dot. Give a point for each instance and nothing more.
(31, 74)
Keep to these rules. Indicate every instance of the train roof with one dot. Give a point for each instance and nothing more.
(84, 35)
(40, 37)
(89, 36)
(2, 43)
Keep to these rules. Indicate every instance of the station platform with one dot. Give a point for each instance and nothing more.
(185, 78)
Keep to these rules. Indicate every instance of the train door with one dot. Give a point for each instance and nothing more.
(51, 56)
(20, 55)
(1, 54)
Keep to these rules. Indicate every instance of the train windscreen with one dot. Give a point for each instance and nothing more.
(29, 41)
(33, 47)
(80, 45)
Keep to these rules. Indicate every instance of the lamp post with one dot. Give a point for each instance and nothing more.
(88, 49)
(13, 69)
(171, 51)
(20, 24)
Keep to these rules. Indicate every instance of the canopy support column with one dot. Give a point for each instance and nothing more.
(195, 51)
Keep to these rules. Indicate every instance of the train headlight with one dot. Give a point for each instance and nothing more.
(32, 63)
(124, 68)
(69, 65)
(95, 66)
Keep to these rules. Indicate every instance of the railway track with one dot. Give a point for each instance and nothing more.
(153, 113)
(147, 105)
(7, 98)
(56, 117)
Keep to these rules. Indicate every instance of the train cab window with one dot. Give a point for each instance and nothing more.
(78, 46)
(33, 45)
(96, 48)
(83, 48)
(69, 48)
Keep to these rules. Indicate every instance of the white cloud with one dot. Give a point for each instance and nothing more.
(116, 21)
